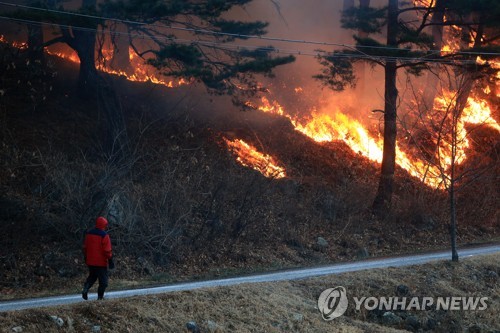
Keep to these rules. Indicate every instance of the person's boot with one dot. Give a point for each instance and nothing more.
(100, 294)
(85, 291)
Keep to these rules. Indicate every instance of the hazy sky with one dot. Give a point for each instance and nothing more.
(297, 19)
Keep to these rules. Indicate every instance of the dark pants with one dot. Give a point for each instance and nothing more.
(95, 273)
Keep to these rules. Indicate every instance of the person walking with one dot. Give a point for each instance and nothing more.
(98, 257)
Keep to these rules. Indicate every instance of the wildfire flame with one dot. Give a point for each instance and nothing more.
(476, 112)
(139, 70)
(452, 41)
(70, 56)
(326, 128)
(323, 127)
(18, 45)
(249, 156)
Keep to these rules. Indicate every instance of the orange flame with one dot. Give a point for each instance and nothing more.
(66, 56)
(452, 41)
(249, 156)
(140, 71)
(326, 128)
(476, 112)
(18, 45)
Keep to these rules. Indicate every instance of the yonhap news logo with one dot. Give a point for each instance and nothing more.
(333, 303)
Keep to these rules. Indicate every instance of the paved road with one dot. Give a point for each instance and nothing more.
(397, 261)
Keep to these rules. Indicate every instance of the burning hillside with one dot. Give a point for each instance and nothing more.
(323, 124)
(331, 126)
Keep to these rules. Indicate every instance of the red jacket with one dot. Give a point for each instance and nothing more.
(97, 245)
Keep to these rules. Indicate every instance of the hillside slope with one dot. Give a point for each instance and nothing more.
(181, 206)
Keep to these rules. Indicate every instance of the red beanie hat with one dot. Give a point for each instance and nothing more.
(101, 223)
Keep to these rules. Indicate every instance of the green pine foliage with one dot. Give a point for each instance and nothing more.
(370, 20)
(217, 60)
(337, 72)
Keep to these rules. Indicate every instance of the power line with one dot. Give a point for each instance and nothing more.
(240, 47)
(200, 31)
(219, 33)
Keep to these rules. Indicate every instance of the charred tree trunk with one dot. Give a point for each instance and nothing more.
(83, 42)
(382, 202)
(463, 94)
(456, 115)
(91, 85)
(84, 45)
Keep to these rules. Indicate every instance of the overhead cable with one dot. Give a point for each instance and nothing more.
(220, 33)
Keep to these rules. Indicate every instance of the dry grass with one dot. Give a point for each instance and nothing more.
(276, 307)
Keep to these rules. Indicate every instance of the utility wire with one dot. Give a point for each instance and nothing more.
(211, 32)
(240, 47)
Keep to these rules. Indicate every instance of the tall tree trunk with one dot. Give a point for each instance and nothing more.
(432, 82)
(382, 203)
(84, 45)
(83, 42)
(91, 85)
(117, 141)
